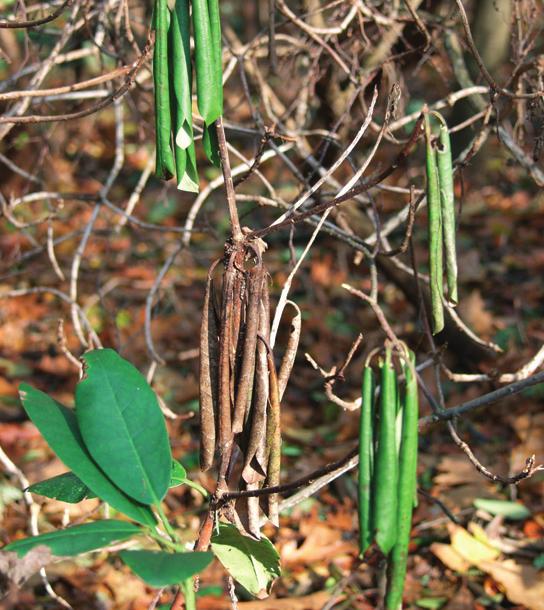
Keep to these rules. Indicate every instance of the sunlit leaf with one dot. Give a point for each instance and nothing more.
(160, 569)
(77, 539)
(123, 426)
(58, 426)
(253, 563)
(65, 487)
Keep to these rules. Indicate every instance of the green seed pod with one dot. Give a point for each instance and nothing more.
(366, 459)
(447, 200)
(165, 165)
(207, 39)
(386, 466)
(435, 233)
(209, 71)
(407, 482)
(180, 68)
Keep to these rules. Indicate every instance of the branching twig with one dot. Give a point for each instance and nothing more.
(35, 22)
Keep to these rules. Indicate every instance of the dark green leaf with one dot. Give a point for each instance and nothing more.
(58, 426)
(78, 539)
(123, 426)
(65, 487)
(160, 569)
(253, 563)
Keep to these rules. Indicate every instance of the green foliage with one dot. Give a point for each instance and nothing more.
(447, 202)
(407, 489)
(165, 165)
(366, 460)
(172, 72)
(69, 488)
(160, 569)
(178, 475)
(116, 444)
(65, 487)
(78, 539)
(253, 563)
(182, 104)
(60, 429)
(435, 233)
(123, 427)
(441, 225)
(386, 467)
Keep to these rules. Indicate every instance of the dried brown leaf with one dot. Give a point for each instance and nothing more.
(15, 570)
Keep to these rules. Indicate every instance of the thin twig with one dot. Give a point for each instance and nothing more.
(229, 185)
(35, 22)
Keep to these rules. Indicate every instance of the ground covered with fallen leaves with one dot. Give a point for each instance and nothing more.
(464, 552)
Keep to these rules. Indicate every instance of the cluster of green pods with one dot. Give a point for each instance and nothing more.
(441, 223)
(387, 467)
(173, 81)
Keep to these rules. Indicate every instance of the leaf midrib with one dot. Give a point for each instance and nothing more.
(155, 500)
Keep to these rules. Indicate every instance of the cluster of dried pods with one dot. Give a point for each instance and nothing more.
(240, 390)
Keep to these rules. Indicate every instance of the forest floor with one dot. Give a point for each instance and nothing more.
(482, 561)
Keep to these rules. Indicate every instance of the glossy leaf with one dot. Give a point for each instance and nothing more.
(123, 426)
(77, 539)
(160, 569)
(70, 488)
(65, 487)
(58, 426)
(253, 563)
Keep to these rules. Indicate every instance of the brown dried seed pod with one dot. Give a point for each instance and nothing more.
(209, 375)
(225, 416)
(237, 331)
(255, 456)
(273, 434)
(290, 351)
(247, 370)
